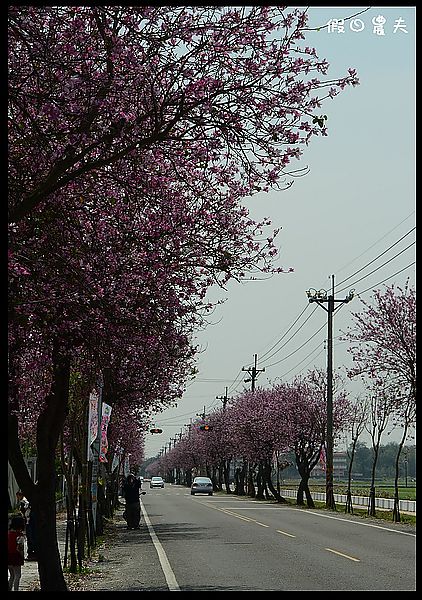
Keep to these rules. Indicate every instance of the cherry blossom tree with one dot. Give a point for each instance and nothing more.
(258, 425)
(383, 348)
(383, 339)
(305, 408)
(405, 418)
(134, 135)
(381, 404)
(122, 84)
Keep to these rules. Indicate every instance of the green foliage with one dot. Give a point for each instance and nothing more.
(363, 458)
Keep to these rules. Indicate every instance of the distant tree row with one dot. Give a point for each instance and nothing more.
(363, 460)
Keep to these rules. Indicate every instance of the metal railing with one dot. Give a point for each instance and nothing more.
(383, 503)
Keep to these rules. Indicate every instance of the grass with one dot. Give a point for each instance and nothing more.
(384, 515)
(383, 489)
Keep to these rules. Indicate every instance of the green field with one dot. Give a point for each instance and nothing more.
(383, 489)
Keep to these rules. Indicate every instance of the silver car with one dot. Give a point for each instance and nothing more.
(156, 482)
(201, 485)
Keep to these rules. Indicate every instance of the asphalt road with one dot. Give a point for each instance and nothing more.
(226, 543)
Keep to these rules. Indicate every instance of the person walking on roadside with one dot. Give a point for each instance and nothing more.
(131, 491)
(15, 551)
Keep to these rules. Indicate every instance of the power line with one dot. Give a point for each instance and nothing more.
(265, 355)
(375, 243)
(279, 340)
(380, 267)
(386, 279)
(307, 356)
(294, 351)
(377, 257)
(290, 338)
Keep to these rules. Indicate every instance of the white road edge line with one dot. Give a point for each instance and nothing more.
(310, 512)
(165, 565)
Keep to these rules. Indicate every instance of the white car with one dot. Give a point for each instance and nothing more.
(156, 482)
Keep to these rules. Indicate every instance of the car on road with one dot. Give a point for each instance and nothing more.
(201, 485)
(156, 482)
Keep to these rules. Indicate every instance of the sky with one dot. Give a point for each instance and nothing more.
(353, 215)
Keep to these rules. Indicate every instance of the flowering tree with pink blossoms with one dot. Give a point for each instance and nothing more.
(306, 413)
(134, 135)
(258, 426)
(383, 348)
(261, 424)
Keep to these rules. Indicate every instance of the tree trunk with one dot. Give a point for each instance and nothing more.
(70, 524)
(396, 508)
(42, 495)
(49, 426)
(371, 504)
(226, 468)
(299, 496)
(250, 482)
(349, 506)
(260, 483)
(240, 479)
(303, 487)
(275, 492)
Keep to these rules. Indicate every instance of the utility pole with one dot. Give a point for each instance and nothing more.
(319, 297)
(253, 371)
(223, 399)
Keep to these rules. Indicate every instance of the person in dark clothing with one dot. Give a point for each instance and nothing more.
(131, 491)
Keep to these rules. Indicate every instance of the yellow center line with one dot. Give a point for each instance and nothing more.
(258, 523)
(233, 514)
(228, 512)
(344, 555)
(285, 533)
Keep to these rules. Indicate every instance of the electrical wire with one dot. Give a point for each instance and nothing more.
(386, 279)
(380, 267)
(377, 257)
(263, 356)
(268, 355)
(375, 243)
(294, 351)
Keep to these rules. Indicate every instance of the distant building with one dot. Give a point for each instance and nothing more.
(339, 466)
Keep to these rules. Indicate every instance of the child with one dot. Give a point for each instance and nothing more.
(16, 547)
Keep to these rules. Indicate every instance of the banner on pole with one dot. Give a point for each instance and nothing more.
(322, 458)
(117, 458)
(105, 418)
(92, 422)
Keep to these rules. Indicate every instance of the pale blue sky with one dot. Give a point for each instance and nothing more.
(356, 202)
